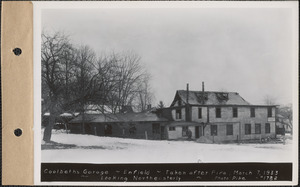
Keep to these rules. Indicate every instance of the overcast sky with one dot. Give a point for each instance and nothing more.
(248, 51)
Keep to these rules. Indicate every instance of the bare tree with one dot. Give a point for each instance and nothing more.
(269, 100)
(127, 73)
(285, 116)
(145, 95)
(54, 48)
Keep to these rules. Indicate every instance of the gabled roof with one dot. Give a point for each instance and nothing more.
(120, 117)
(209, 98)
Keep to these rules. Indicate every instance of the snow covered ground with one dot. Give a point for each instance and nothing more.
(94, 149)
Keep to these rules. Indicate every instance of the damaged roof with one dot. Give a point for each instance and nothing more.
(120, 117)
(209, 98)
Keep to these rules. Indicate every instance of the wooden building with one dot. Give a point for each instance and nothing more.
(219, 117)
(142, 125)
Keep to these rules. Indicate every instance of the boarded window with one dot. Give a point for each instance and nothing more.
(171, 128)
(257, 128)
(234, 112)
(229, 129)
(156, 128)
(214, 130)
(270, 114)
(218, 112)
(178, 114)
(247, 128)
(252, 112)
(199, 113)
(185, 130)
(267, 128)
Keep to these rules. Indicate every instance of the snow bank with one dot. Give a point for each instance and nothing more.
(95, 149)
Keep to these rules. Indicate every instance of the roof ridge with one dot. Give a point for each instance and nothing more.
(208, 91)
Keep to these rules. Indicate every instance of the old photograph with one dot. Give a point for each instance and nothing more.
(164, 84)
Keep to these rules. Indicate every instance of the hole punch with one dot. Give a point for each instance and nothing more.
(17, 51)
(18, 132)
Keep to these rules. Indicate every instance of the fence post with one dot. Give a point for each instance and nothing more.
(146, 135)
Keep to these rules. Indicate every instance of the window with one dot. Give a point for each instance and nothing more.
(252, 112)
(185, 130)
(155, 128)
(229, 129)
(171, 128)
(214, 130)
(270, 112)
(234, 112)
(247, 128)
(179, 103)
(267, 128)
(218, 112)
(199, 113)
(178, 114)
(257, 128)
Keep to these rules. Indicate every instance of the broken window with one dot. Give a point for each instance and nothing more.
(201, 97)
(214, 130)
(235, 112)
(267, 128)
(247, 128)
(222, 96)
(257, 128)
(178, 114)
(229, 129)
(218, 112)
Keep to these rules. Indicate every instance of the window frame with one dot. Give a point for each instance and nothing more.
(218, 112)
(267, 127)
(252, 112)
(172, 129)
(247, 127)
(178, 114)
(199, 113)
(229, 129)
(235, 112)
(270, 112)
(257, 128)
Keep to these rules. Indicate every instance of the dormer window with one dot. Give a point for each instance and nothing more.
(222, 96)
(201, 97)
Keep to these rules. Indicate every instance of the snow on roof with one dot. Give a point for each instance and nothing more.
(211, 98)
(119, 117)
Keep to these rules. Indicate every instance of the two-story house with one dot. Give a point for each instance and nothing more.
(219, 117)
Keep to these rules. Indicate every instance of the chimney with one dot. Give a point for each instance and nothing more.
(187, 93)
(203, 97)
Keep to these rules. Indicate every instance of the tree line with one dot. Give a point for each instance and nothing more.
(74, 77)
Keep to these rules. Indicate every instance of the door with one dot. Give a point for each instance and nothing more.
(197, 132)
